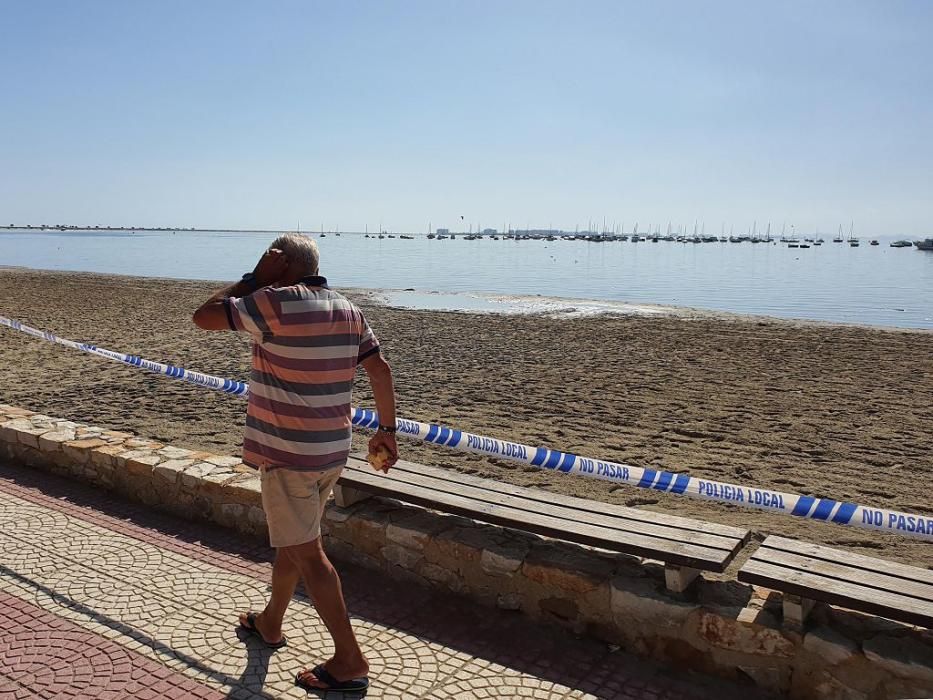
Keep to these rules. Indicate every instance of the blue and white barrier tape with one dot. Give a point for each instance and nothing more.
(825, 509)
(228, 386)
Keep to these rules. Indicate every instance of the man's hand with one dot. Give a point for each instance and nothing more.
(386, 440)
(271, 267)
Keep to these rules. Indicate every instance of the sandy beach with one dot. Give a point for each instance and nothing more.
(838, 411)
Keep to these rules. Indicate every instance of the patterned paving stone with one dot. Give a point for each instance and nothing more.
(193, 635)
(14, 691)
(400, 660)
(137, 597)
(23, 565)
(18, 515)
(20, 544)
(401, 666)
(219, 592)
(258, 669)
(92, 506)
(63, 659)
(38, 525)
(42, 655)
(221, 655)
(491, 686)
(82, 593)
(96, 548)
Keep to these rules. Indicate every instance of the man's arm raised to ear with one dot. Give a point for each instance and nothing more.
(214, 314)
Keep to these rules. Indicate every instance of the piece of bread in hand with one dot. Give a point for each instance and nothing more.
(377, 460)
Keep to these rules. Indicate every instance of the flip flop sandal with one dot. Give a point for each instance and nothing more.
(250, 627)
(352, 686)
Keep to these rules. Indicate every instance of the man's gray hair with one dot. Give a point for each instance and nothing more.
(299, 249)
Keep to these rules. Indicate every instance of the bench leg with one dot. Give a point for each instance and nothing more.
(679, 578)
(796, 610)
(344, 496)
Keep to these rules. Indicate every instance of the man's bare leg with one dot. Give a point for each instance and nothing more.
(323, 584)
(285, 577)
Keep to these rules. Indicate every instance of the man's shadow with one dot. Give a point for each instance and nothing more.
(254, 673)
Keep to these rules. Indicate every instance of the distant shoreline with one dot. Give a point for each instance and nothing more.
(147, 229)
(164, 229)
(489, 233)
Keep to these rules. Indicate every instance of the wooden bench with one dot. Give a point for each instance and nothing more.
(685, 546)
(805, 573)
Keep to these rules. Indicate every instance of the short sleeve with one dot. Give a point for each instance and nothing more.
(369, 344)
(258, 314)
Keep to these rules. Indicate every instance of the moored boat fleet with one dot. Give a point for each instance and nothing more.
(791, 241)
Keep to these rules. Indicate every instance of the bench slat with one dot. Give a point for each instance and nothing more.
(833, 591)
(875, 579)
(582, 504)
(693, 556)
(850, 559)
(569, 515)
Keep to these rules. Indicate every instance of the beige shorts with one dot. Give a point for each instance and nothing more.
(294, 503)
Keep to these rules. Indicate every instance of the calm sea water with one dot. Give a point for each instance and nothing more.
(870, 284)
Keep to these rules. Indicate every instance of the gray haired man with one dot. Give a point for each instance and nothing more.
(307, 344)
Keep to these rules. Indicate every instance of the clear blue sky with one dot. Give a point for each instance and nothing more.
(255, 114)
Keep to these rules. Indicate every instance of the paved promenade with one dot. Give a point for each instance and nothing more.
(101, 598)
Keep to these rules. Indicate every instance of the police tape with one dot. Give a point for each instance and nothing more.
(228, 386)
(825, 509)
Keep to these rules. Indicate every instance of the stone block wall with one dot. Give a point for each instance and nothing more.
(723, 627)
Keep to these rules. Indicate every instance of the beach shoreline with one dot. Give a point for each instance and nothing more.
(831, 410)
(382, 296)
(613, 308)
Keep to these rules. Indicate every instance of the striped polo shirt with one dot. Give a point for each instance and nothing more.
(307, 342)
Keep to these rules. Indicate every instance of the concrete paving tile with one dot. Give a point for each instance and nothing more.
(17, 515)
(84, 594)
(50, 657)
(404, 662)
(219, 592)
(25, 564)
(118, 555)
(10, 690)
(258, 669)
(166, 593)
(192, 635)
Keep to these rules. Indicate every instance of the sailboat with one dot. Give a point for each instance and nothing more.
(853, 241)
(695, 238)
(838, 238)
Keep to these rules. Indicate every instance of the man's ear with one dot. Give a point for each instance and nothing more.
(293, 274)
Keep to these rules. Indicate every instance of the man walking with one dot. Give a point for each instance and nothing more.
(307, 343)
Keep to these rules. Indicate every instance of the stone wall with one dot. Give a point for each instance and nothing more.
(723, 627)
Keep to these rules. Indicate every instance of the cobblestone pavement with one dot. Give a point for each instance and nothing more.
(101, 598)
